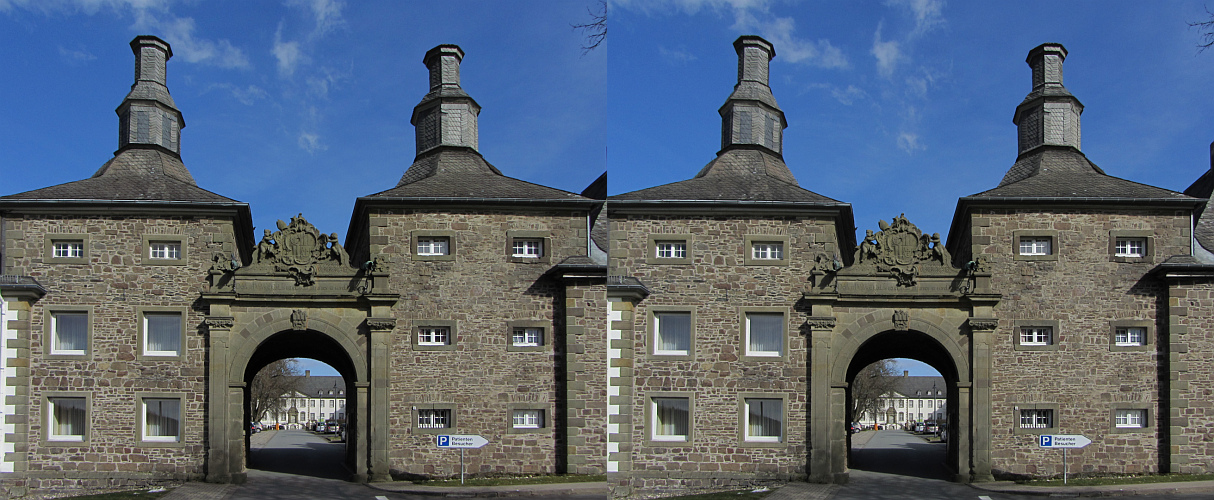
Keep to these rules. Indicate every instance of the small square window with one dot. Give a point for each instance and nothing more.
(528, 248)
(70, 333)
(764, 420)
(433, 245)
(68, 249)
(1036, 335)
(1130, 247)
(528, 336)
(767, 250)
(67, 419)
(433, 335)
(1130, 419)
(672, 333)
(1030, 245)
(670, 249)
(528, 419)
(764, 334)
(433, 418)
(1036, 419)
(164, 250)
(1130, 336)
(671, 419)
(162, 334)
(162, 419)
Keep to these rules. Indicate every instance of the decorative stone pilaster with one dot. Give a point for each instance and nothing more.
(219, 457)
(17, 297)
(379, 330)
(822, 468)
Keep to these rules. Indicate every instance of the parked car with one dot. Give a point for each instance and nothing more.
(931, 428)
(920, 428)
(855, 427)
(944, 435)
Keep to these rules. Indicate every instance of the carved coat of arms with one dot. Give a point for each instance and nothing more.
(900, 248)
(297, 248)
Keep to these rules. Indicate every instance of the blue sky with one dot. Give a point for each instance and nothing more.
(896, 106)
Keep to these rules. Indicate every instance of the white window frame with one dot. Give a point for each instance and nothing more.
(433, 418)
(747, 402)
(55, 315)
(657, 334)
(147, 334)
(164, 250)
(52, 428)
(656, 423)
(527, 336)
(527, 419)
(1036, 245)
(430, 246)
(527, 248)
(143, 420)
(1126, 336)
(1036, 418)
(670, 249)
(67, 249)
(748, 343)
(433, 335)
(1127, 246)
(1036, 335)
(767, 250)
(1130, 418)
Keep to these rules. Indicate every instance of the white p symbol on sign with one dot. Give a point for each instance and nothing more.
(444, 440)
(1047, 440)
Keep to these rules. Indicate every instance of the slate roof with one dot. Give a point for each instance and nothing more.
(1064, 173)
(320, 386)
(600, 226)
(134, 174)
(461, 172)
(911, 386)
(1202, 188)
(737, 174)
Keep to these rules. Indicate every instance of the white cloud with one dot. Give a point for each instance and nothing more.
(928, 14)
(288, 54)
(247, 95)
(780, 31)
(73, 56)
(310, 142)
(888, 53)
(326, 14)
(849, 95)
(909, 142)
(676, 55)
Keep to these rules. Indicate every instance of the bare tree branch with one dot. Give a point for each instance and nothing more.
(1207, 31)
(595, 31)
(274, 382)
(873, 382)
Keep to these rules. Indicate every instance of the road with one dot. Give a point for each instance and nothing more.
(896, 465)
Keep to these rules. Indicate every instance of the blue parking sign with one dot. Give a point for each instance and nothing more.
(444, 441)
(1047, 441)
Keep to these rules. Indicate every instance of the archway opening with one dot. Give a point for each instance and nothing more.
(300, 408)
(907, 421)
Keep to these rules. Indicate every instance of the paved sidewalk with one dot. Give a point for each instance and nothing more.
(1177, 488)
(803, 491)
(199, 491)
(591, 488)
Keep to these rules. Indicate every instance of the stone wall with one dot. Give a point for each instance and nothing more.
(1189, 344)
(114, 282)
(717, 284)
(1083, 289)
(586, 369)
(481, 289)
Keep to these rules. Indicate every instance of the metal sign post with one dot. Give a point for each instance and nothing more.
(463, 442)
(1064, 441)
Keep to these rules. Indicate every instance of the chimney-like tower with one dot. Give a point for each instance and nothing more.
(446, 116)
(1049, 115)
(751, 117)
(147, 116)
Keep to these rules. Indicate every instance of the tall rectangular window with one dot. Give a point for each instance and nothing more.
(68, 419)
(433, 418)
(161, 419)
(1130, 247)
(1036, 335)
(764, 420)
(671, 249)
(528, 419)
(162, 334)
(1129, 419)
(1130, 336)
(1036, 419)
(72, 249)
(1035, 245)
(531, 248)
(671, 419)
(164, 250)
(767, 250)
(70, 332)
(672, 333)
(432, 245)
(433, 335)
(528, 336)
(764, 334)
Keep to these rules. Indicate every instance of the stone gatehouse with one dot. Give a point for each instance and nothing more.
(699, 335)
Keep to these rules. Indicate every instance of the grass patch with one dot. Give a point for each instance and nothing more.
(727, 495)
(1116, 480)
(514, 480)
(125, 495)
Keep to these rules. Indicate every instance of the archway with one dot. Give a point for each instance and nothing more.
(910, 455)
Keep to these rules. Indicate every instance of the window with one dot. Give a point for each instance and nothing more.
(312, 403)
(764, 420)
(672, 333)
(73, 249)
(1130, 336)
(1130, 247)
(767, 250)
(528, 419)
(70, 335)
(1129, 419)
(528, 248)
(433, 335)
(671, 249)
(1035, 246)
(434, 418)
(764, 334)
(901, 403)
(1036, 335)
(528, 336)
(164, 250)
(162, 419)
(1036, 418)
(671, 419)
(67, 418)
(432, 245)
(162, 334)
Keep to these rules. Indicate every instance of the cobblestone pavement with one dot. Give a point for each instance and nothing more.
(803, 491)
